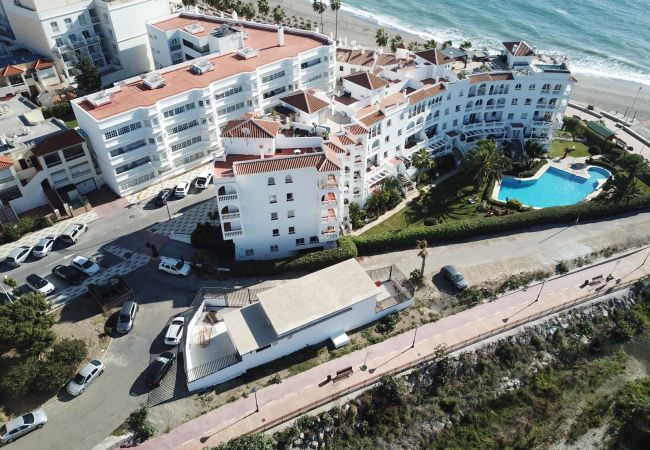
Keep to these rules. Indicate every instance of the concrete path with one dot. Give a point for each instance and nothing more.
(303, 392)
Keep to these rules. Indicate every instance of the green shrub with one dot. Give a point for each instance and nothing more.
(594, 150)
(259, 441)
(529, 173)
(562, 267)
(139, 424)
(462, 229)
(209, 236)
(416, 278)
(515, 204)
(58, 110)
(12, 233)
(387, 323)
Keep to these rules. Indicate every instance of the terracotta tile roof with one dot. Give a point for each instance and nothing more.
(6, 162)
(366, 80)
(12, 70)
(355, 57)
(372, 118)
(401, 45)
(305, 102)
(435, 56)
(223, 169)
(356, 130)
(43, 64)
(391, 100)
(251, 128)
(387, 59)
(342, 139)
(322, 162)
(58, 141)
(522, 48)
(346, 99)
(333, 146)
(483, 77)
(426, 92)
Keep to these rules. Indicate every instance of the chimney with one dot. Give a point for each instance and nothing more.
(281, 36)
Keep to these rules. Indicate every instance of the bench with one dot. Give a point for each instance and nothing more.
(341, 374)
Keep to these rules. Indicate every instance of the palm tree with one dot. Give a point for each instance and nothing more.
(263, 7)
(394, 42)
(421, 161)
(534, 149)
(431, 43)
(446, 44)
(465, 45)
(623, 189)
(381, 37)
(486, 162)
(414, 46)
(422, 247)
(335, 5)
(189, 2)
(634, 165)
(319, 8)
(278, 14)
(248, 10)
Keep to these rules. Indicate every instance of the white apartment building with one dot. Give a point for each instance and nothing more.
(111, 33)
(277, 196)
(169, 121)
(224, 340)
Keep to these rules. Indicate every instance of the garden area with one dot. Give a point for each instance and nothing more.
(559, 147)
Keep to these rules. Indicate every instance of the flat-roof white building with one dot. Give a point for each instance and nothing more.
(222, 343)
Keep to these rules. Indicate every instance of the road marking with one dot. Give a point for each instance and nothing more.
(56, 263)
(565, 289)
(482, 318)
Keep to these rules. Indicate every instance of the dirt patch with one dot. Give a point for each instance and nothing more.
(82, 319)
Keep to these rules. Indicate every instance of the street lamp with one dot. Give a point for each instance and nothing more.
(257, 405)
(634, 101)
(157, 174)
(414, 336)
(540, 291)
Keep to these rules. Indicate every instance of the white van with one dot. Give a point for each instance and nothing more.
(73, 232)
(174, 266)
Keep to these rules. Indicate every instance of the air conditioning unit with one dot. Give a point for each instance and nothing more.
(201, 66)
(153, 80)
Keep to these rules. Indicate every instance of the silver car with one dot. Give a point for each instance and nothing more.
(22, 425)
(88, 373)
(127, 317)
(43, 247)
(18, 256)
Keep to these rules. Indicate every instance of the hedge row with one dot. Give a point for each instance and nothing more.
(529, 173)
(308, 262)
(406, 238)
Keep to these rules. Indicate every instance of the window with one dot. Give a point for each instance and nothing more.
(75, 152)
(273, 199)
(68, 22)
(457, 108)
(178, 110)
(389, 123)
(275, 248)
(82, 20)
(274, 216)
(511, 116)
(79, 170)
(531, 87)
(270, 181)
(131, 165)
(524, 116)
(273, 76)
(228, 92)
(276, 232)
(313, 240)
(288, 179)
(455, 122)
(289, 197)
(514, 101)
(274, 92)
(122, 130)
(186, 143)
(518, 87)
(58, 42)
(249, 252)
(446, 111)
(55, 26)
(229, 109)
(300, 241)
(52, 160)
(291, 214)
(310, 63)
(292, 230)
(341, 68)
(183, 126)
(528, 101)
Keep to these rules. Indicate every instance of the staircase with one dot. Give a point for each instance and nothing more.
(407, 185)
(53, 197)
(7, 215)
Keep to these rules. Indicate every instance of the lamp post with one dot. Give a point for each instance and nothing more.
(257, 405)
(414, 336)
(540, 291)
(161, 188)
(634, 101)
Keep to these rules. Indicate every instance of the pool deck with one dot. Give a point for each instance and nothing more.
(574, 166)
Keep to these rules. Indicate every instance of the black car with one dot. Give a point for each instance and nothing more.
(163, 196)
(68, 273)
(159, 368)
(453, 275)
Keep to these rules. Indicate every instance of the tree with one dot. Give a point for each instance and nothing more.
(414, 46)
(394, 42)
(447, 44)
(189, 2)
(423, 251)
(633, 164)
(422, 161)
(486, 163)
(465, 45)
(319, 7)
(278, 14)
(356, 215)
(88, 79)
(381, 37)
(248, 11)
(534, 149)
(623, 189)
(392, 389)
(335, 5)
(26, 325)
(263, 7)
(259, 441)
(431, 43)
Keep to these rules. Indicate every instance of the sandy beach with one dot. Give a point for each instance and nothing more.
(608, 94)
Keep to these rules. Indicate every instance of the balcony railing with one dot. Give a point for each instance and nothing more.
(328, 203)
(230, 216)
(328, 219)
(233, 233)
(328, 236)
(227, 197)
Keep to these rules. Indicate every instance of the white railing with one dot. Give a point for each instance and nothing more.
(233, 233)
(329, 235)
(227, 197)
(230, 216)
(328, 219)
(328, 203)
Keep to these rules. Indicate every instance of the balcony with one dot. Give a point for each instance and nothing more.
(329, 217)
(233, 233)
(329, 235)
(227, 197)
(230, 216)
(328, 203)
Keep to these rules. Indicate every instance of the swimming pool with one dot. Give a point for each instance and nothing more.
(555, 187)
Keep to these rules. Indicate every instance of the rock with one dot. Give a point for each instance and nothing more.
(314, 444)
(297, 442)
(321, 436)
(302, 435)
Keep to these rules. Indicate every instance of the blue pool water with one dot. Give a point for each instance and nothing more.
(554, 188)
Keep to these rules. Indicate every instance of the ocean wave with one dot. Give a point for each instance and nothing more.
(564, 12)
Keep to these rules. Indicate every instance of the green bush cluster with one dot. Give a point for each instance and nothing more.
(138, 423)
(406, 238)
(304, 263)
(209, 236)
(58, 110)
(24, 226)
(529, 173)
(577, 126)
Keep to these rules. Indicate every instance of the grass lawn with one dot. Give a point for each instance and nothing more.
(70, 120)
(447, 201)
(557, 149)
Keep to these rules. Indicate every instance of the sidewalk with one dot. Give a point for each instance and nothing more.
(306, 391)
(147, 194)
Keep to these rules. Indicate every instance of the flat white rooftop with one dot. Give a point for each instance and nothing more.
(307, 299)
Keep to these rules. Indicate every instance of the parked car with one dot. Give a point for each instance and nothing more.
(126, 318)
(88, 373)
(174, 266)
(175, 331)
(68, 273)
(203, 181)
(18, 256)
(163, 196)
(43, 247)
(453, 275)
(182, 189)
(86, 265)
(39, 284)
(73, 232)
(159, 368)
(22, 425)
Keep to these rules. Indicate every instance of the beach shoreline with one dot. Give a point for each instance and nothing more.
(608, 94)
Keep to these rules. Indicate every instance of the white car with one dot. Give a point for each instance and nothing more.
(43, 247)
(85, 265)
(203, 181)
(86, 375)
(22, 425)
(39, 284)
(174, 266)
(181, 190)
(175, 331)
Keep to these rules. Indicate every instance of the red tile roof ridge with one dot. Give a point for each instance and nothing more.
(6, 162)
(259, 129)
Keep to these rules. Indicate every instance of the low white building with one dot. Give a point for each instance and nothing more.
(222, 343)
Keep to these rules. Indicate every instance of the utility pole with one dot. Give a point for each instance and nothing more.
(161, 188)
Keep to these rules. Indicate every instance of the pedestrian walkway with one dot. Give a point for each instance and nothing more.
(185, 222)
(31, 239)
(308, 390)
(147, 194)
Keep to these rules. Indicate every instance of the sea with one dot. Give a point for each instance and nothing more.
(602, 38)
